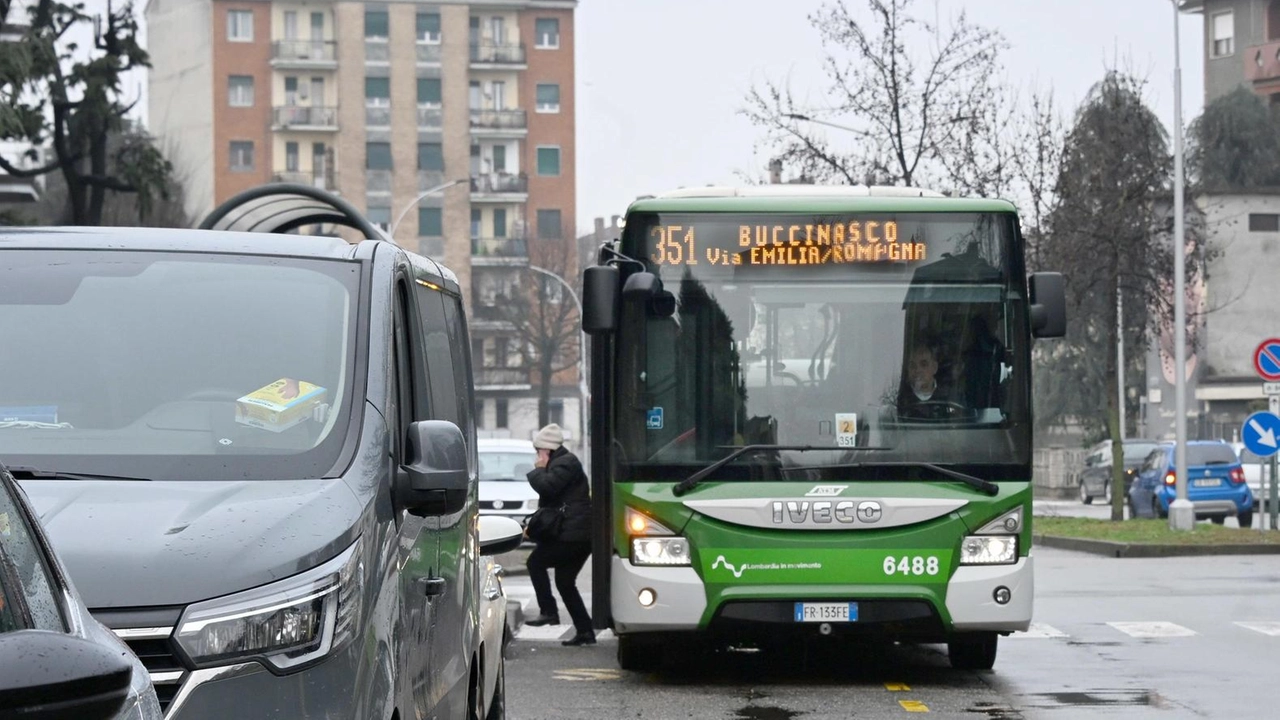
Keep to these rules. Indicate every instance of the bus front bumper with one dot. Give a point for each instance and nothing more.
(971, 597)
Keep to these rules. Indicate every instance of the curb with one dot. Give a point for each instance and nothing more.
(1146, 550)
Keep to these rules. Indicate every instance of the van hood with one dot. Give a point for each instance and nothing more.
(144, 544)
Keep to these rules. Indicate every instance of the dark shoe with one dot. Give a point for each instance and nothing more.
(543, 620)
(580, 639)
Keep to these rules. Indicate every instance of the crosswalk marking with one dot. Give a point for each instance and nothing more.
(555, 633)
(1039, 631)
(1266, 628)
(1157, 629)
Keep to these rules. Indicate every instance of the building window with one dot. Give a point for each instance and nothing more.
(546, 32)
(549, 225)
(377, 92)
(240, 25)
(428, 28)
(475, 222)
(291, 157)
(431, 156)
(1223, 27)
(499, 222)
(549, 161)
(377, 155)
(376, 25)
(428, 92)
(1264, 222)
(548, 98)
(240, 91)
(500, 413)
(430, 222)
(555, 412)
(241, 155)
(499, 158)
(479, 413)
(379, 215)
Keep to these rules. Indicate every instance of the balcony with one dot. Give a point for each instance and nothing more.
(502, 377)
(500, 187)
(322, 180)
(499, 251)
(507, 56)
(304, 54)
(1262, 62)
(430, 116)
(428, 53)
(306, 117)
(377, 116)
(499, 122)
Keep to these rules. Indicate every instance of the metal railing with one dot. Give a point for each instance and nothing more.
(377, 115)
(309, 51)
(499, 119)
(503, 376)
(430, 116)
(500, 183)
(505, 54)
(322, 180)
(508, 247)
(306, 115)
(428, 52)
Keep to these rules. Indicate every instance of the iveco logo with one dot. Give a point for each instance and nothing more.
(798, 512)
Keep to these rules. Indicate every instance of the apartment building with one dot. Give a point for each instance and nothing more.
(450, 124)
(1241, 46)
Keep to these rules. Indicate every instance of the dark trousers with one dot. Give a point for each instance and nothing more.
(567, 559)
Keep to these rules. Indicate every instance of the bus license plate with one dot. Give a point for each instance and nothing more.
(1207, 482)
(827, 612)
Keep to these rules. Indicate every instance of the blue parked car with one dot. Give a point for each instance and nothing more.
(1215, 483)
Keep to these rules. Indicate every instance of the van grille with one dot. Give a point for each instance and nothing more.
(149, 634)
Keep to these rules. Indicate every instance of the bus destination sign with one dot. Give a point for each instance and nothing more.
(814, 243)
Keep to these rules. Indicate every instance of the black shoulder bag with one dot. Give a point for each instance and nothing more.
(545, 523)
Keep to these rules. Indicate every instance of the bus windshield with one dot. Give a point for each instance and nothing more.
(903, 332)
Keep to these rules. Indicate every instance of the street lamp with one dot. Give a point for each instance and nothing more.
(418, 199)
(1181, 511)
(806, 118)
(582, 363)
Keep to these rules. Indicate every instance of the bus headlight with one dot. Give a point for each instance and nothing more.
(668, 551)
(989, 550)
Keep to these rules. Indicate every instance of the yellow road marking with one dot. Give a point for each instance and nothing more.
(896, 687)
(913, 706)
(586, 674)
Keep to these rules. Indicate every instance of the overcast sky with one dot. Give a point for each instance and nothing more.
(660, 82)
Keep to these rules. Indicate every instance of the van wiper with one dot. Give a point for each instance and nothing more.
(25, 472)
(692, 481)
(977, 483)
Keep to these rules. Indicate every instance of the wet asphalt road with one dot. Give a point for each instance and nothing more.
(1166, 638)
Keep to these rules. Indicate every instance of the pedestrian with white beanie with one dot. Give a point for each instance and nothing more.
(561, 527)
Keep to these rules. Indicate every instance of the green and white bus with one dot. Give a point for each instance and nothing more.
(811, 417)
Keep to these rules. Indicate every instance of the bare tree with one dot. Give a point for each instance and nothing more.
(545, 317)
(914, 116)
(51, 92)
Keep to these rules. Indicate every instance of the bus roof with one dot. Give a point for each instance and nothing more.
(813, 198)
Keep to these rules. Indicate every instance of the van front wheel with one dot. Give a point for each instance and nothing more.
(972, 651)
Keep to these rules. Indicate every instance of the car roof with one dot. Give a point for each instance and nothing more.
(176, 240)
(505, 444)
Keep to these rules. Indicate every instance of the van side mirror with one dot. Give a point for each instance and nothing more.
(52, 676)
(434, 479)
(499, 534)
(1048, 305)
(600, 299)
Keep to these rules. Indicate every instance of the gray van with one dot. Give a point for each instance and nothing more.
(256, 455)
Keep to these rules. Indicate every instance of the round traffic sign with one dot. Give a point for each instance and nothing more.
(1261, 434)
(1266, 359)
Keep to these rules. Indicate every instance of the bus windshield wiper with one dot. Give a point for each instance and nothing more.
(24, 472)
(977, 483)
(692, 481)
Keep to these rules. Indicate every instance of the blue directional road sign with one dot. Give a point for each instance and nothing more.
(1260, 433)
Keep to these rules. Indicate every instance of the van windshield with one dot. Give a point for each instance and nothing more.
(170, 366)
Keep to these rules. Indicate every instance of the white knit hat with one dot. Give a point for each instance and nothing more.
(549, 437)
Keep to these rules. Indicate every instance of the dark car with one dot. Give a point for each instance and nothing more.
(1095, 478)
(256, 454)
(87, 673)
(1215, 483)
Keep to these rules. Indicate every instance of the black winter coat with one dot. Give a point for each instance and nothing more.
(563, 482)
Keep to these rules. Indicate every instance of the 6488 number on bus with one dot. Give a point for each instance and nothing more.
(911, 565)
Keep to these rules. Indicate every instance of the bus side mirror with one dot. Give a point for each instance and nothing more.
(599, 299)
(1048, 305)
(647, 288)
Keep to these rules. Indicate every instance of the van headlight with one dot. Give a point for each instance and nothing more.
(285, 625)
